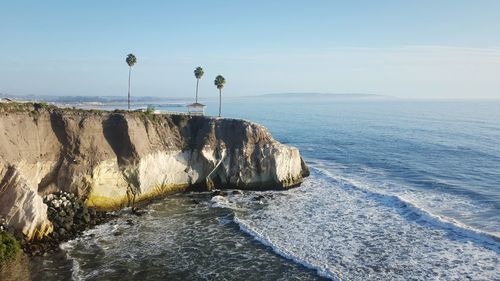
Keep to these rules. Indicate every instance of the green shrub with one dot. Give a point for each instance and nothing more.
(9, 247)
(149, 113)
(150, 110)
(40, 105)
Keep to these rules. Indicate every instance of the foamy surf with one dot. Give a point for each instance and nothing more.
(347, 233)
(327, 273)
(182, 237)
(103, 230)
(418, 212)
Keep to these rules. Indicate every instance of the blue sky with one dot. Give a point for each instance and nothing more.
(414, 49)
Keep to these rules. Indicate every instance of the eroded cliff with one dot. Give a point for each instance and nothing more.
(111, 159)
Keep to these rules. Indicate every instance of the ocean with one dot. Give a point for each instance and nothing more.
(399, 190)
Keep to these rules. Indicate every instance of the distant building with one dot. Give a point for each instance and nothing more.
(196, 108)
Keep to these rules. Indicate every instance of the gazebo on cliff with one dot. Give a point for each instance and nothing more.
(196, 108)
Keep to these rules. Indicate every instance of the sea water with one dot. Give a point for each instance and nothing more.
(399, 190)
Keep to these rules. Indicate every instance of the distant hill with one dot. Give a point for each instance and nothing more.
(325, 95)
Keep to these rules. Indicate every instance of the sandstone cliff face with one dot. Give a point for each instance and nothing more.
(111, 159)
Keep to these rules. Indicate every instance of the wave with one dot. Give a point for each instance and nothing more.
(330, 274)
(310, 227)
(76, 273)
(222, 202)
(414, 211)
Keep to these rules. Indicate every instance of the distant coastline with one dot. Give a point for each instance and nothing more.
(93, 99)
(167, 101)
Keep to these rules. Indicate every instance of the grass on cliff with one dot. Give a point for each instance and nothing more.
(149, 113)
(32, 107)
(9, 247)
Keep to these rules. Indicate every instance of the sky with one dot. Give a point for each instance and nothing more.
(407, 49)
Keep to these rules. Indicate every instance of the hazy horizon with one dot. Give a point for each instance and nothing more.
(145, 99)
(417, 50)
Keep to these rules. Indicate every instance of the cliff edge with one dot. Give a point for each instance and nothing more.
(111, 159)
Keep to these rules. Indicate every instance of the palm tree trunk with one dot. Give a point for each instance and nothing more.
(129, 71)
(220, 100)
(197, 81)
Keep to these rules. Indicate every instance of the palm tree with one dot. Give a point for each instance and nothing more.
(131, 60)
(219, 83)
(198, 73)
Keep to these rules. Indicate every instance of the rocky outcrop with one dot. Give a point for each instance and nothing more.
(111, 159)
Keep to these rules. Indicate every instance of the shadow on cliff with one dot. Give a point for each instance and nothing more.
(193, 130)
(58, 127)
(115, 130)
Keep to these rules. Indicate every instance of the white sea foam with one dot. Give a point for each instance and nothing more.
(416, 207)
(179, 241)
(348, 233)
(76, 273)
(219, 201)
(284, 253)
(104, 230)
